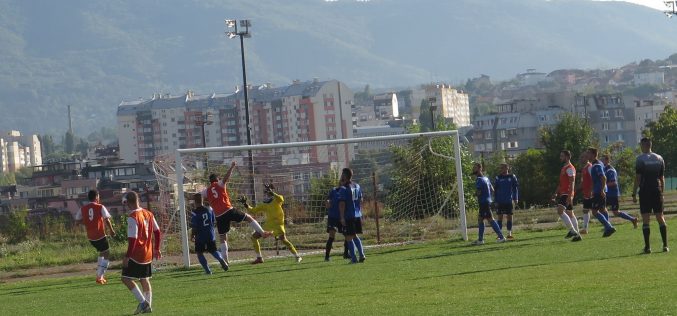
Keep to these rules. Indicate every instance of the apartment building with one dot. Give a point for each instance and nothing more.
(17, 151)
(646, 111)
(514, 125)
(612, 118)
(449, 102)
(386, 106)
(301, 111)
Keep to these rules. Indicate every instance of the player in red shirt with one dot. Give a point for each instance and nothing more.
(564, 195)
(217, 195)
(95, 217)
(586, 189)
(143, 235)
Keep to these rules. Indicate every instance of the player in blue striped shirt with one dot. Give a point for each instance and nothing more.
(333, 220)
(599, 191)
(202, 223)
(506, 195)
(484, 190)
(614, 191)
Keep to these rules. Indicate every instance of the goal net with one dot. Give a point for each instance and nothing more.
(412, 188)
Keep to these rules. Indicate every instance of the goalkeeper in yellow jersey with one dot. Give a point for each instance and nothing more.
(272, 208)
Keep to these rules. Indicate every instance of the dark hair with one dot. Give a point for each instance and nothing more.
(213, 178)
(92, 194)
(566, 153)
(347, 172)
(607, 156)
(593, 151)
(479, 164)
(197, 198)
(646, 140)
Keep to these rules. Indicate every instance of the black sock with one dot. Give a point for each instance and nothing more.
(664, 235)
(345, 248)
(327, 248)
(646, 230)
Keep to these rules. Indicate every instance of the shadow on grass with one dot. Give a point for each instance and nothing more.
(507, 268)
(32, 288)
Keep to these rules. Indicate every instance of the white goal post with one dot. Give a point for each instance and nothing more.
(182, 154)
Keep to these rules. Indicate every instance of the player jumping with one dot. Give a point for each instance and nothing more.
(219, 200)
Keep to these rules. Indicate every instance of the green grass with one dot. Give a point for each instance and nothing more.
(537, 274)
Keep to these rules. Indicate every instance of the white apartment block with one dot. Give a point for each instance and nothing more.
(646, 111)
(302, 111)
(18, 151)
(451, 103)
(651, 78)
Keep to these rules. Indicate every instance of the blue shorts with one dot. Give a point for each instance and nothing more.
(485, 211)
(598, 202)
(334, 224)
(612, 203)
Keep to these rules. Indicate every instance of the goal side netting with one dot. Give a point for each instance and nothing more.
(412, 186)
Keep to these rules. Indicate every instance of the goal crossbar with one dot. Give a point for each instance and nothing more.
(180, 173)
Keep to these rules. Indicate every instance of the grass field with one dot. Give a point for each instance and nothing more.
(538, 273)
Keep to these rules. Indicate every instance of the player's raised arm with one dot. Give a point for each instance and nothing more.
(226, 177)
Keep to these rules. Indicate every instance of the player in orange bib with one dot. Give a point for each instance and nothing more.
(95, 217)
(143, 235)
(564, 195)
(217, 196)
(586, 190)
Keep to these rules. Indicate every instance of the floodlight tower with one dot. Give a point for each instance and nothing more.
(671, 8)
(232, 33)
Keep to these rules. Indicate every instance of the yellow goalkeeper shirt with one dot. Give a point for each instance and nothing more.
(272, 210)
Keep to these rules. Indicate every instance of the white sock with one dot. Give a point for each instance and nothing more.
(586, 220)
(224, 250)
(149, 297)
(137, 294)
(104, 266)
(566, 221)
(255, 225)
(99, 272)
(574, 222)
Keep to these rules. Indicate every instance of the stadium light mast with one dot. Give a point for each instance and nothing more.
(433, 109)
(671, 8)
(233, 32)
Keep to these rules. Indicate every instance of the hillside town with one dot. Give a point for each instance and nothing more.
(503, 116)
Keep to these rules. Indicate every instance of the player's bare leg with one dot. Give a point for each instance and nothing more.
(224, 247)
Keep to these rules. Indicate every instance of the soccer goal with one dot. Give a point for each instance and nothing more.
(412, 188)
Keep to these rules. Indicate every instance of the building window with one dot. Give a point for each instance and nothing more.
(605, 126)
(619, 113)
(619, 125)
(605, 114)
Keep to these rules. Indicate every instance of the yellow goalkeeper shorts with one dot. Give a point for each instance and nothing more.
(277, 229)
